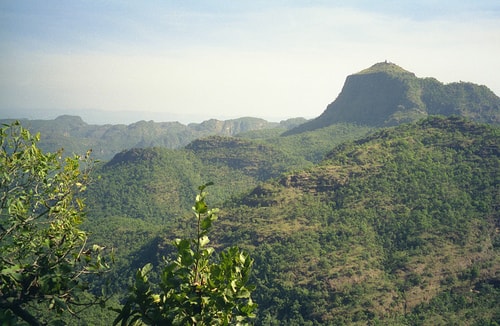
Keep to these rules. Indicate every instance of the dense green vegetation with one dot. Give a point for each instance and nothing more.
(380, 229)
(399, 227)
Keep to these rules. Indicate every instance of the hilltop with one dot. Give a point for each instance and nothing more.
(386, 95)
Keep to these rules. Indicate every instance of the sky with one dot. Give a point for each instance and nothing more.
(114, 61)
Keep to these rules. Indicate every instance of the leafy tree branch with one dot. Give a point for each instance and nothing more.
(44, 253)
(198, 287)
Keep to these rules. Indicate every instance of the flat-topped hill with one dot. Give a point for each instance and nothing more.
(386, 95)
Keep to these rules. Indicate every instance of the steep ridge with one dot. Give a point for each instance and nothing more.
(386, 95)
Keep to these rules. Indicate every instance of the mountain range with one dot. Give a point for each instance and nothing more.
(76, 136)
(380, 96)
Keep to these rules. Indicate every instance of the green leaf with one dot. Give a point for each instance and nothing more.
(200, 207)
(206, 223)
(13, 272)
(146, 269)
(204, 241)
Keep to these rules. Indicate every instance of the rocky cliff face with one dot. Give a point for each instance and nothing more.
(373, 98)
(386, 95)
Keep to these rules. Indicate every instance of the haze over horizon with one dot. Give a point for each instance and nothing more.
(223, 59)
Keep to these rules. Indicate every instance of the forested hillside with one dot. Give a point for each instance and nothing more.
(399, 227)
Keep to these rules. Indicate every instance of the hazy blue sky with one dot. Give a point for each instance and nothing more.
(229, 58)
